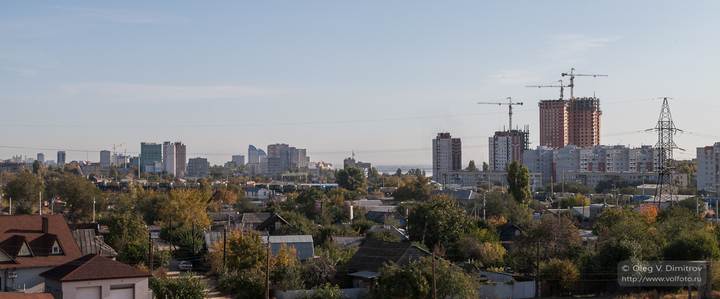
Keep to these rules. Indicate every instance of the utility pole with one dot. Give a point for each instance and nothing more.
(267, 271)
(224, 245)
(40, 203)
(434, 286)
(151, 253)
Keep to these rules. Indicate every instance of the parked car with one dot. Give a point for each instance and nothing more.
(185, 266)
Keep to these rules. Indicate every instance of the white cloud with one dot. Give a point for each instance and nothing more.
(121, 16)
(570, 48)
(122, 92)
(514, 78)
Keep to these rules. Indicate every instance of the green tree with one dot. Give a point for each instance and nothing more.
(439, 221)
(577, 200)
(324, 291)
(183, 287)
(563, 271)
(415, 281)
(418, 189)
(486, 167)
(554, 237)
(78, 194)
(24, 189)
(383, 235)
(129, 236)
(471, 166)
(519, 182)
(351, 178)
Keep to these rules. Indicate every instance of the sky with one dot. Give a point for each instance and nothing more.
(380, 78)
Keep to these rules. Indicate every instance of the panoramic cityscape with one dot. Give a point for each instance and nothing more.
(359, 150)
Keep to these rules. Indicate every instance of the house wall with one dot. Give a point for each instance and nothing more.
(28, 279)
(525, 289)
(69, 289)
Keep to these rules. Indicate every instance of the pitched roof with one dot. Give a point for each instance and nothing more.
(16, 230)
(373, 254)
(348, 241)
(270, 221)
(93, 267)
(254, 218)
(90, 243)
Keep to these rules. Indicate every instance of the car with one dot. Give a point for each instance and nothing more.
(185, 266)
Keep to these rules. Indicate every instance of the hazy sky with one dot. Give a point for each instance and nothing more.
(381, 78)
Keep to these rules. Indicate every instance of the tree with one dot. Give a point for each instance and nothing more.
(485, 166)
(324, 291)
(439, 221)
(383, 235)
(418, 189)
(555, 237)
(186, 207)
(519, 182)
(78, 194)
(415, 281)
(351, 178)
(563, 271)
(471, 166)
(24, 189)
(577, 200)
(128, 235)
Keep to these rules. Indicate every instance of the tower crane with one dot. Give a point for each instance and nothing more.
(114, 155)
(510, 104)
(572, 82)
(562, 87)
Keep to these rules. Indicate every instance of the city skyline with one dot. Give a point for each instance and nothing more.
(381, 79)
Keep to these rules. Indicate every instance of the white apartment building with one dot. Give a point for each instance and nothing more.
(708, 167)
(446, 153)
(554, 163)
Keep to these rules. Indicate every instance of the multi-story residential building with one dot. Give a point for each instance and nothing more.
(708, 168)
(553, 163)
(570, 122)
(475, 178)
(60, 158)
(239, 160)
(169, 158)
(180, 160)
(507, 147)
(150, 154)
(273, 150)
(446, 153)
(253, 154)
(41, 158)
(105, 158)
(364, 166)
(197, 168)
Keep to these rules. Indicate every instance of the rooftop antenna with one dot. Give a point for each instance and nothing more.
(665, 146)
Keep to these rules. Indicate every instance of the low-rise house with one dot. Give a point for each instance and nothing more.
(365, 264)
(258, 193)
(30, 245)
(95, 276)
(271, 224)
(348, 241)
(89, 243)
(461, 195)
(304, 245)
(382, 216)
(505, 285)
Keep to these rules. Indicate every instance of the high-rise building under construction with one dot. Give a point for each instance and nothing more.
(574, 121)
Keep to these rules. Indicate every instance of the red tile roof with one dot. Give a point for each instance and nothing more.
(17, 229)
(26, 296)
(93, 267)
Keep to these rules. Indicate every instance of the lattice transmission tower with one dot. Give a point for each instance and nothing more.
(665, 146)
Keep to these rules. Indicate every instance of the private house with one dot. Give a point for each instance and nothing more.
(303, 243)
(95, 276)
(89, 243)
(30, 245)
(365, 264)
(258, 193)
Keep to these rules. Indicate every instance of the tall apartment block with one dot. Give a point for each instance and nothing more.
(174, 158)
(708, 168)
(60, 158)
(105, 158)
(570, 122)
(198, 167)
(41, 158)
(446, 154)
(506, 147)
(150, 157)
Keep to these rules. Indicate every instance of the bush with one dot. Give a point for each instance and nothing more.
(248, 284)
(183, 287)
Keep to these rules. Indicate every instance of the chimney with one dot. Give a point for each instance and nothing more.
(44, 225)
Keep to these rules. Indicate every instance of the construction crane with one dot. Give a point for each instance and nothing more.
(562, 87)
(572, 82)
(509, 103)
(114, 155)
